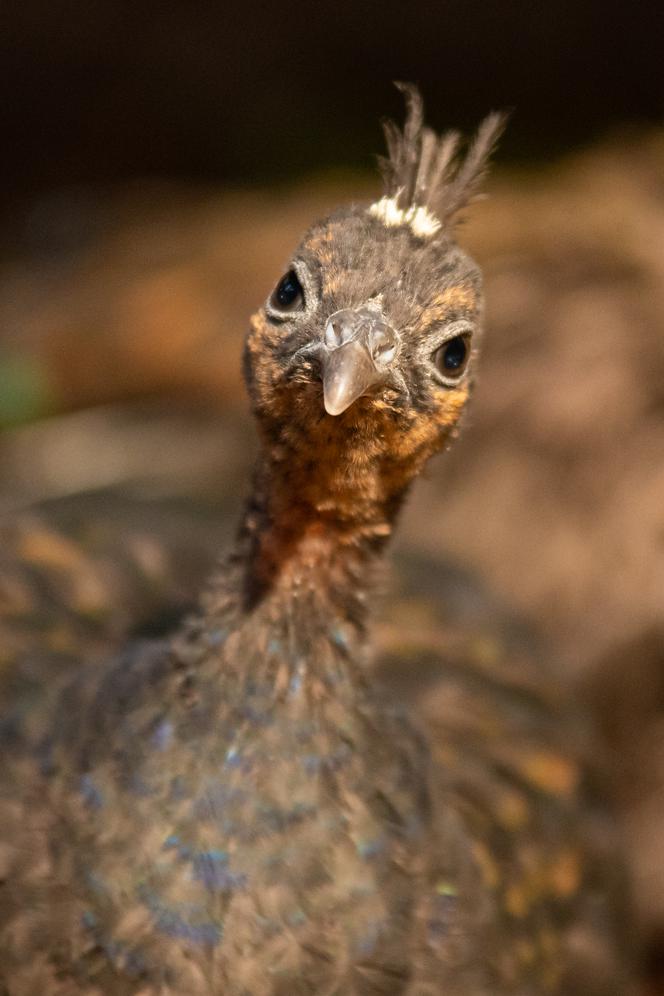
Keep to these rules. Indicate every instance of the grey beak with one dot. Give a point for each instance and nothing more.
(357, 351)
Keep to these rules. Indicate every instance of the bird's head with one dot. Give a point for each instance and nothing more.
(365, 349)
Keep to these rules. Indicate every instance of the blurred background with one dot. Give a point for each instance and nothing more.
(160, 161)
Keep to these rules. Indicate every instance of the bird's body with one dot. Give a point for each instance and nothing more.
(239, 810)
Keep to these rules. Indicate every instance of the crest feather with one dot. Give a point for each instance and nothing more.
(425, 170)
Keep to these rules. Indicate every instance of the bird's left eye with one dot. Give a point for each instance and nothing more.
(452, 358)
(288, 294)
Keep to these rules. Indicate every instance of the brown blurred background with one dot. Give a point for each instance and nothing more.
(159, 162)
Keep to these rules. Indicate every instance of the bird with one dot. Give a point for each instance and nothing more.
(241, 808)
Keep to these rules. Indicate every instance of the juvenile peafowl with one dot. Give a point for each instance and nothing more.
(240, 810)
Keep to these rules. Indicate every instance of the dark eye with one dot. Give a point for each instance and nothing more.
(288, 295)
(452, 358)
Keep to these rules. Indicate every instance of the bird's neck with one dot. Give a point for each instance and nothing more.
(306, 525)
(304, 569)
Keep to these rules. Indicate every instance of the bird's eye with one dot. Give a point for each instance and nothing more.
(452, 358)
(288, 294)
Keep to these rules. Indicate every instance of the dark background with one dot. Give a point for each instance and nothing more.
(102, 90)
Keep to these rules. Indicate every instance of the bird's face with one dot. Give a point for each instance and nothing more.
(366, 346)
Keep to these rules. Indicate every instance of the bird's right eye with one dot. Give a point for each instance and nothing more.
(452, 358)
(288, 294)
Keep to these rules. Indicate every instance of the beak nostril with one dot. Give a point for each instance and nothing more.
(383, 344)
(384, 352)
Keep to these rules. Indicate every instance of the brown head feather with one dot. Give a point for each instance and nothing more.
(424, 169)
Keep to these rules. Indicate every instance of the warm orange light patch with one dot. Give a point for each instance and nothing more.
(319, 240)
(450, 404)
(461, 297)
(487, 865)
(319, 244)
(334, 278)
(48, 549)
(550, 772)
(517, 900)
(565, 874)
(526, 951)
(512, 811)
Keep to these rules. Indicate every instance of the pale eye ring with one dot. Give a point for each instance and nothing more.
(451, 359)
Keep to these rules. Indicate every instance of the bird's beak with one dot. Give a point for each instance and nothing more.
(356, 353)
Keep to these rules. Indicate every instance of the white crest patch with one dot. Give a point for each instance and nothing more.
(421, 221)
